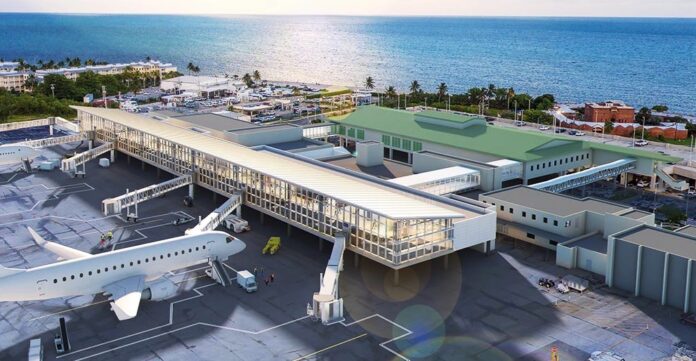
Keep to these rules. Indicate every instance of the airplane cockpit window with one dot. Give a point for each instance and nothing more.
(229, 239)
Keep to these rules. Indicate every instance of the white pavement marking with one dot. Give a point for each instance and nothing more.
(330, 347)
(407, 332)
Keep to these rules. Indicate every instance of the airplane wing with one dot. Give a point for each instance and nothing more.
(62, 251)
(125, 296)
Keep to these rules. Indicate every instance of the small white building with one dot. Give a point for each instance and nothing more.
(147, 67)
(204, 86)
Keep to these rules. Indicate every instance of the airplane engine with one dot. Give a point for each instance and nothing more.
(159, 290)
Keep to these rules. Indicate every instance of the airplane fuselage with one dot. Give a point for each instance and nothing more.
(12, 154)
(89, 275)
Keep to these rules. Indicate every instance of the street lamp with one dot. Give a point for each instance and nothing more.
(104, 95)
(53, 90)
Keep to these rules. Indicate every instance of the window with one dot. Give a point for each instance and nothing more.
(161, 256)
(386, 139)
(229, 239)
(511, 211)
(123, 265)
(567, 224)
(114, 268)
(396, 142)
(546, 220)
(555, 162)
(361, 134)
(169, 255)
(555, 223)
(524, 214)
(147, 260)
(531, 236)
(196, 249)
(406, 144)
(89, 273)
(55, 280)
(190, 250)
(98, 270)
(65, 279)
(154, 258)
(106, 269)
(131, 263)
(533, 216)
(351, 132)
(138, 261)
(72, 277)
(176, 253)
(502, 208)
(82, 275)
(537, 167)
(552, 242)
(417, 146)
(203, 247)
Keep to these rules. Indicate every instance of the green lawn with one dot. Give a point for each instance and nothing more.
(22, 118)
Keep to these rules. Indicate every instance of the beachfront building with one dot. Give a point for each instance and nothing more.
(152, 67)
(431, 140)
(14, 80)
(614, 111)
(7, 66)
(201, 86)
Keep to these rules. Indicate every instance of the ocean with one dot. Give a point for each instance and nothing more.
(642, 61)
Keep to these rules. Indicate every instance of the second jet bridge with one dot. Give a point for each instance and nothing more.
(130, 199)
(216, 217)
(326, 305)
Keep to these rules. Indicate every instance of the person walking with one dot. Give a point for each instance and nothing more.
(266, 281)
(256, 271)
(272, 277)
(261, 271)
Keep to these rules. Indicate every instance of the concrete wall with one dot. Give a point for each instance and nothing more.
(625, 265)
(676, 281)
(470, 232)
(426, 163)
(692, 293)
(592, 261)
(369, 154)
(643, 166)
(565, 256)
(614, 224)
(653, 263)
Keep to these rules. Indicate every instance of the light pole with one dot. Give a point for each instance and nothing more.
(104, 95)
(53, 90)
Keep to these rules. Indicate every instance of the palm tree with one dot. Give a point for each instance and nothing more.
(509, 96)
(190, 67)
(415, 87)
(257, 75)
(248, 80)
(441, 91)
(196, 70)
(31, 82)
(369, 83)
(390, 92)
(295, 91)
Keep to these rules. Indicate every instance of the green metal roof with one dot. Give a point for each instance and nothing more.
(504, 142)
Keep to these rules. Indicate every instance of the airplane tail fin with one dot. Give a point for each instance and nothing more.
(4, 271)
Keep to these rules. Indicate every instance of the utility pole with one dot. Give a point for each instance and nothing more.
(53, 90)
(104, 95)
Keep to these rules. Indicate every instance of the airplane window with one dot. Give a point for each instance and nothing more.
(99, 270)
(154, 259)
(81, 275)
(196, 249)
(131, 263)
(229, 239)
(161, 256)
(176, 253)
(190, 250)
(89, 273)
(169, 255)
(106, 269)
(123, 265)
(203, 247)
(114, 268)
(65, 279)
(72, 277)
(55, 280)
(183, 251)
(147, 260)
(138, 261)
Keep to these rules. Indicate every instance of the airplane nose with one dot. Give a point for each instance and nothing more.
(240, 246)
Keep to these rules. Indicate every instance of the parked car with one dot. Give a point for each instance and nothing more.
(544, 127)
(641, 143)
(520, 123)
(579, 133)
(642, 184)
(545, 282)
(688, 319)
(572, 132)
(560, 130)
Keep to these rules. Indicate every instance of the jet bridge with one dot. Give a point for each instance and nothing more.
(587, 176)
(130, 199)
(216, 217)
(70, 165)
(326, 305)
(49, 142)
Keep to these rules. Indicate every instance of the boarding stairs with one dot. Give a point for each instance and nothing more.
(326, 305)
(218, 273)
(117, 204)
(216, 217)
(26, 165)
(664, 174)
(70, 165)
(587, 176)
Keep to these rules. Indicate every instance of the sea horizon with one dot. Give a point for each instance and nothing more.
(642, 60)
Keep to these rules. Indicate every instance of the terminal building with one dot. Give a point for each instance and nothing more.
(505, 157)
(395, 225)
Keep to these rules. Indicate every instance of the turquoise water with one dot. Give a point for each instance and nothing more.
(642, 61)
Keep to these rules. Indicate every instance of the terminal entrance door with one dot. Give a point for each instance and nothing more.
(41, 287)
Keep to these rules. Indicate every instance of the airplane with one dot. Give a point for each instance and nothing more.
(12, 154)
(126, 275)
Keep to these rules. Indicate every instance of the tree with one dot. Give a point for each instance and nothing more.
(509, 96)
(544, 102)
(660, 108)
(257, 75)
(415, 87)
(190, 67)
(296, 91)
(196, 70)
(390, 92)
(441, 91)
(608, 126)
(248, 80)
(673, 213)
(644, 115)
(369, 83)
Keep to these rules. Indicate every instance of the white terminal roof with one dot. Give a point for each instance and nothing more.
(378, 198)
(439, 174)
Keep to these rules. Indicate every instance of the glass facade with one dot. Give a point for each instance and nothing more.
(393, 242)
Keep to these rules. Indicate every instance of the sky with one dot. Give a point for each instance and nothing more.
(605, 8)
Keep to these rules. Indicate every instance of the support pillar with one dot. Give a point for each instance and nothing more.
(321, 244)
(50, 130)
(396, 277)
(238, 211)
(639, 266)
(665, 271)
(687, 292)
(356, 259)
(113, 156)
(90, 144)
(653, 182)
(261, 216)
(288, 230)
(159, 173)
(190, 190)
(214, 197)
(142, 165)
(624, 179)
(128, 159)
(445, 259)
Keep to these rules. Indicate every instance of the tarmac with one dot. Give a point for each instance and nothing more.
(470, 307)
